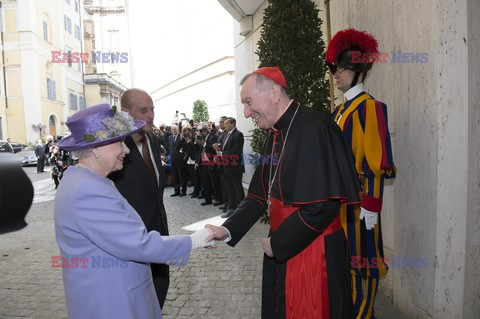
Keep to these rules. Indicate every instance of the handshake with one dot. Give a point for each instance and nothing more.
(205, 237)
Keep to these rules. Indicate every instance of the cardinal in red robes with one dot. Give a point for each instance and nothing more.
(306, 271)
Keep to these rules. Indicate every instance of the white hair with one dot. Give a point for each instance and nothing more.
(80, 154)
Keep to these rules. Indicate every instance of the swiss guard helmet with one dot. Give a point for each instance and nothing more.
(353, 50)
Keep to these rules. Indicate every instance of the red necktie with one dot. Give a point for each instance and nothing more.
(148, 160)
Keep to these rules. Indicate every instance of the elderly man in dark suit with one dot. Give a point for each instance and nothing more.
(230, 152)
(142, 179)
(178, 152)
(40, 154)
(221, 139)
(210, 178)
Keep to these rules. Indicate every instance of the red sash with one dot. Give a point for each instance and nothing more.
(306, 285)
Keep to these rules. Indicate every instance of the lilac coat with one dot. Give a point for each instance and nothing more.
(113, 280)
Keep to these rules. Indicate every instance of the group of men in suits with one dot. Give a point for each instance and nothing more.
(215, 159)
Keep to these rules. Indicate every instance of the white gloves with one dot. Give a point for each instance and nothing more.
(371, 218)
(198, 238)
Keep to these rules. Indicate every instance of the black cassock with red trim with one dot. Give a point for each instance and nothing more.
(309, 275)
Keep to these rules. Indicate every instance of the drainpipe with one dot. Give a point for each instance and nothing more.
(4, 74)
(329, 37)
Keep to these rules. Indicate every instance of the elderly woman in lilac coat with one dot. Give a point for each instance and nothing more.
(104, 246)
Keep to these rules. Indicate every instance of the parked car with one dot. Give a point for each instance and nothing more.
(17, 147)
(28, 155)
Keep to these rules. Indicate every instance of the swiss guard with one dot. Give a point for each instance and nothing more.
(364, 122)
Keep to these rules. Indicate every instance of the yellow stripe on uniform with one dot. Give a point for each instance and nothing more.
(372, 140)
(358, 143)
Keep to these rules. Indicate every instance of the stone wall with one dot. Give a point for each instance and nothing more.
(432, 210)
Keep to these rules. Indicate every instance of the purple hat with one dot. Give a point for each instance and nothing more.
(98, 125)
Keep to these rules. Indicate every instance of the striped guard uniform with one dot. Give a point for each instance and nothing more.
(364, 123)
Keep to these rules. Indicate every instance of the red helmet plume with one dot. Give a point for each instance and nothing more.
(350, 40)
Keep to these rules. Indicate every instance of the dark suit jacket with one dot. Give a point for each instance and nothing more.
(210, 139)
(39, 152)
(222, 137)
(198, 149)
(178, 149)
(232, 153)
(134, 183)
(163, 139)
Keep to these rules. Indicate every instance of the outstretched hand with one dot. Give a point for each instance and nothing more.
(199, 238)
(218, 233)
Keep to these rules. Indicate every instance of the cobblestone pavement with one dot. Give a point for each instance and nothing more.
(222, 283)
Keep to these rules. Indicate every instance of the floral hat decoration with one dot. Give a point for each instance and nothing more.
(98, 125)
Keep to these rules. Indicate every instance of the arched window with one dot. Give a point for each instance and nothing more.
(52, 126)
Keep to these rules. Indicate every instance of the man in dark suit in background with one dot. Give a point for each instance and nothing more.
(40, 154)
(221, 139)
(197, 179)
(230, 152)
(211, 178)
(177, 146)
(142, 179)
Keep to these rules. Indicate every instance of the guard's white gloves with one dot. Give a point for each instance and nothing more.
(371, 218)
(198, 238)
